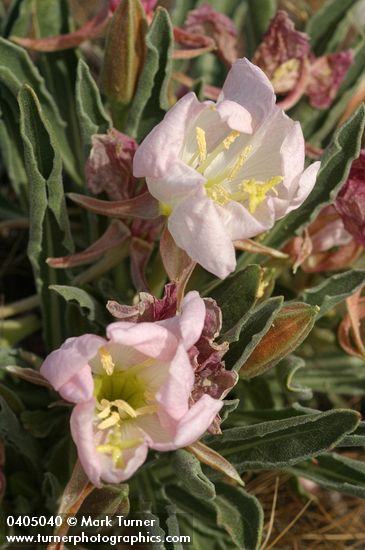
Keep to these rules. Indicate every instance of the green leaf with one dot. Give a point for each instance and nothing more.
(253, 330)
(87, 304)
(320, 26)
(334, 290)
(150, 101)
(92, 116)
(257, 20)
(13, 434)
(17, 69)
(189, 472)
(280, 443)
(11, 147)
(286, 371)
(335, 472)
(49, 233)
(236, 296)
(335, 167)
(335, 374)
(240, 514)
(356, 439)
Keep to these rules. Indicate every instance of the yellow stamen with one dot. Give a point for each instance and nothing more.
(218, 193)
(257, 191)
(148, 409)
(106, 361)
(110, 421)
(124, 407)
(240, 162)
(116, 445)
(223, 145)
(202, 144)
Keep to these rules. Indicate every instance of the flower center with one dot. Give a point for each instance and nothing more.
(227, 186)
(121, 395)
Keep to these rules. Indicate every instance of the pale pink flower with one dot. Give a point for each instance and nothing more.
(211, 376)
(132, 391)
(226, 171)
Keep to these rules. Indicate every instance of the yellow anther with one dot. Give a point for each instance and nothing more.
(124, 407)
(148, 409)
(257, 190)
(202, 143)
(110, 421)
(218, 193)
(240, 162)
(232, 136)
(106, 361)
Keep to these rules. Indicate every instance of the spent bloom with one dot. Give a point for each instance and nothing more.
(132, 391)
(225, 171)
(285, 56)
(350, 202)
(206, 21)
(325, 244)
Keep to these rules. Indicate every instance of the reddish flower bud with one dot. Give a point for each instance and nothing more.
(290, 327)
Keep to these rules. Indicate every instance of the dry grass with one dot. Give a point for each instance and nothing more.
(324, 520)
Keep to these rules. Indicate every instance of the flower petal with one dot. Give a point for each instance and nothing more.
(153, 158)
(69, 360)
(190, 428)
(189, 324)
(79, 388)
(173, 395)
(197, 228)
(99, 466)
(236, 116)
(150, 339)
(305, 185)
(249, 86)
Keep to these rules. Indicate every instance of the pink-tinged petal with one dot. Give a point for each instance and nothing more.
(305, 185)
(133, 458)
(176, 184)
(236, 116)
(82, 430)
(197, 228)
(241, 224)
(248, 85)
(161, 148)
(189, 324)
(333, 234)
(190, 428)
(196, 422)
(79, 388)
(151, 339)
(64, 363)
(99, 466)
(173, 395)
